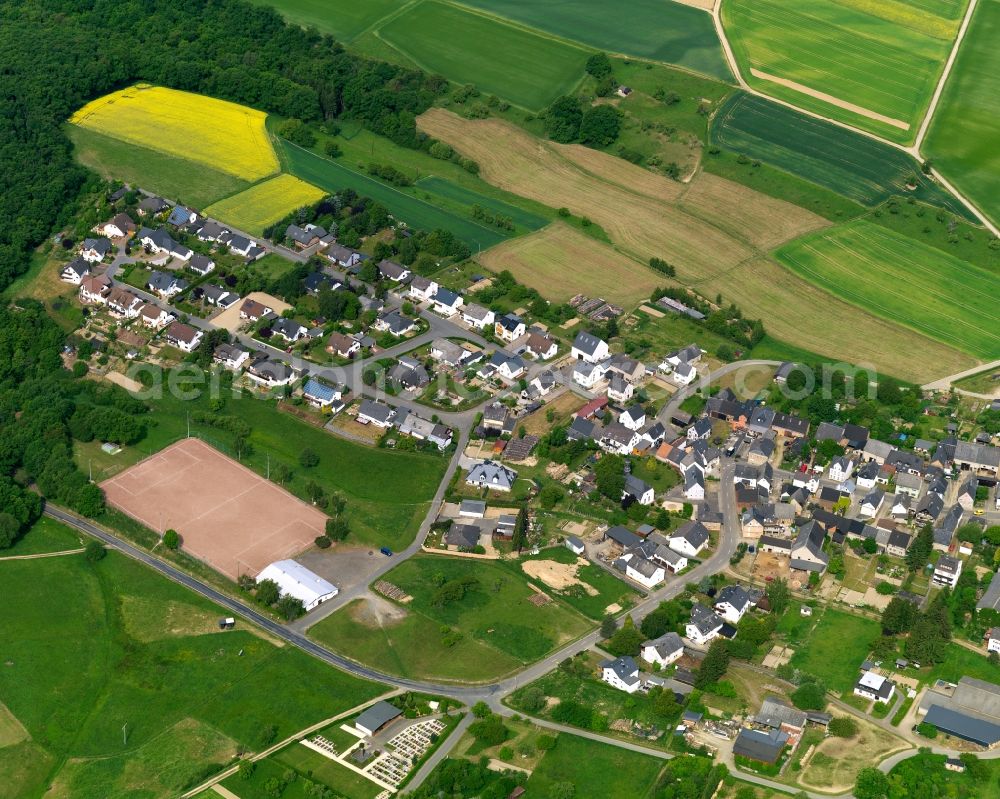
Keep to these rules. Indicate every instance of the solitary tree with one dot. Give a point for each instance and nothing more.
(94, 551)
(171, 539)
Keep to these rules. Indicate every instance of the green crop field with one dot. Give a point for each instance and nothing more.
(851, 164)
(526, 68)
(172, 177)
(903, 281)
(964, 139)
(881, 58)
(498, 627)
(453, 193)
(92, 647)
(343, 19)
(387, 493)
(835, 648)
(651, 29)
(417, 213)
(595, 769)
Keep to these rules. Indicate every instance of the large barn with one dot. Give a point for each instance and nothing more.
(296, 580)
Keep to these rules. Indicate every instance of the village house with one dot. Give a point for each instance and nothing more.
(123, 304)
(588, 374)
(446, 302)
(304, 237)
(232, 356)
(704, 625)
(342, 256)
(394, 323)
(491, 475)
(183, 336)
(95, 250)
(390, 270)
(165, 284)
(541, 346)
(621, 673)
(509, 327)
(664, 650)
(376, 413)
(477, 316)
(342, 346)
(875, 687)
(75, 271)
(151, 206)
(588, 347)
(218, 296)
(320, 394)
(947, 570)
(211, 231)
(181, 216)
(160, 241)
(153, 316)
(807, 550)
(689, 539)
(683, 374)
(117, 227)
(733, 602)
(94, 289)
(288, 329)
(271, 374)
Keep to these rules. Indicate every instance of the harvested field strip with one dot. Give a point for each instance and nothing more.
(851, 164)
(661, 31)
(706, 257)
(764, 221)
(514, 160)
(801, 311)
(561, 262)
(264, 204)
(964, 138)
(224, 136)
(904, 281)
(415, 212)
(524, 67)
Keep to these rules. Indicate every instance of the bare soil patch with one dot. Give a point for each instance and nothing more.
(227, 515)
(230, 318)
(375, 612)
(557, 576)
(124, 381)
(11, 730)
(836, 761)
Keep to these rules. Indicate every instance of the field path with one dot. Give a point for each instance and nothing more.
(913, 150)
(829, 98)
(939, 89)
(224, 792)
(43, 555)
(943, 383)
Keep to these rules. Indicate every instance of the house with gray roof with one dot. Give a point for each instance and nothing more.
(463, 536)
(376, 413)
(621, 673)
(704, 625)
(588, 347)
(376, 717)
(780, 716)
(971, 712)
(664, 650)
(991, 596)
(764, 747)
(807, 549)
(491, 475)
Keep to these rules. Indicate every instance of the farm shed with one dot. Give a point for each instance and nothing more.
(296, 580)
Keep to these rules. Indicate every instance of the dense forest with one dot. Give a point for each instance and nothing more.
(43, 407)
(55, 55)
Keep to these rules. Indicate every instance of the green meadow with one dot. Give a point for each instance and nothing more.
(92, 648)
(416, 212)
(903, 281)
(173, 178)
(514, 63)
(964, 138)
(650, 29)
(488, 632)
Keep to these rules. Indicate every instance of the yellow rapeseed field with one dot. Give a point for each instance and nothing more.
(259, 206)
(225, 136)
